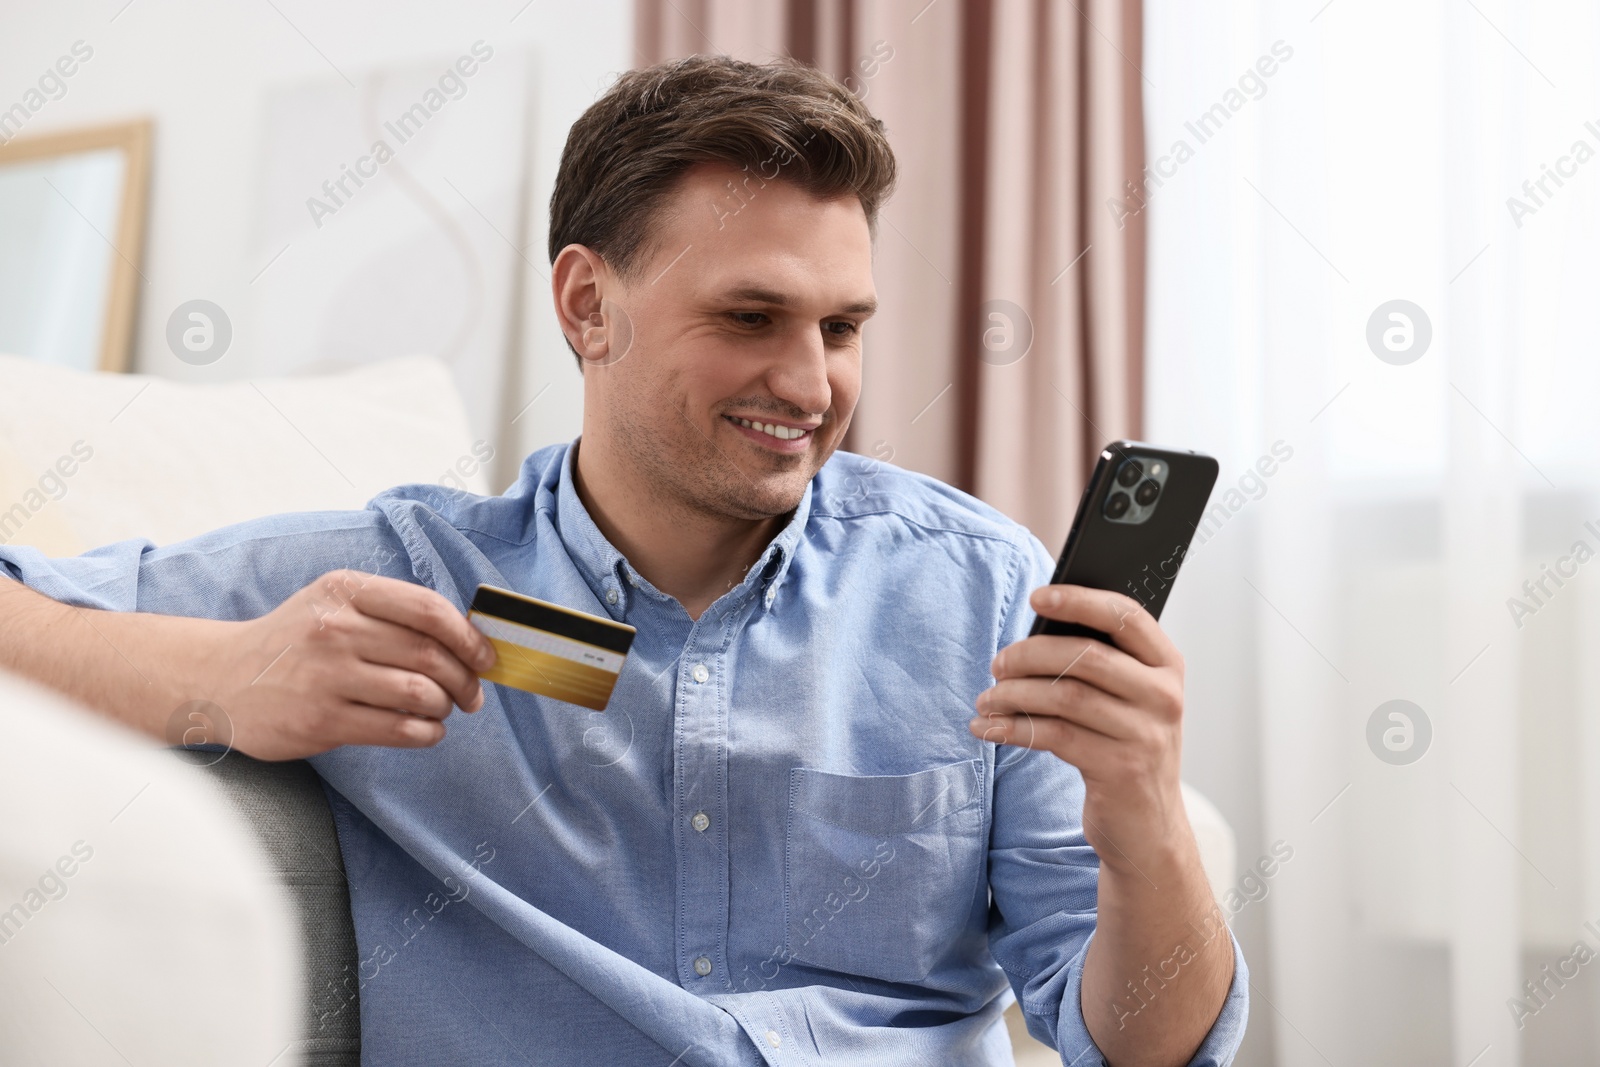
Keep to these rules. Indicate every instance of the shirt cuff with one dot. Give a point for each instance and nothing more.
(1078, 1049)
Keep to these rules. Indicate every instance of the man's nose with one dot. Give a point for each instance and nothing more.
(800, 375)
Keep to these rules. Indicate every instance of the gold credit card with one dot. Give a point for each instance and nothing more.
(551, 650)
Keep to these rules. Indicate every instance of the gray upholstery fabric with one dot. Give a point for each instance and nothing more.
(285, 804)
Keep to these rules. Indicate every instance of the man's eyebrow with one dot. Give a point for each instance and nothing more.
(756, 294)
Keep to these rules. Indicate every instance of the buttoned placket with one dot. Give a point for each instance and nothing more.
(700, 797)
(700, 781)
(701, 709)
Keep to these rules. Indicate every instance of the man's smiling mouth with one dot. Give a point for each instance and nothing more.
(781, 437)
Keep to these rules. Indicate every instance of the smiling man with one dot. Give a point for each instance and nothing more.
(837, 803)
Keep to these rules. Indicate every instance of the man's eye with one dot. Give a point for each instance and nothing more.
(748, 318)
(849, 328)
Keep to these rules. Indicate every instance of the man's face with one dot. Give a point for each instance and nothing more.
(749, 311)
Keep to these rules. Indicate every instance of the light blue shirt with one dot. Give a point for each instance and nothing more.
(779, 844)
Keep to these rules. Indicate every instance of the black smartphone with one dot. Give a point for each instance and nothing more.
(1133, 527)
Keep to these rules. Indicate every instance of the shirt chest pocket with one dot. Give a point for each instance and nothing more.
(880, 872)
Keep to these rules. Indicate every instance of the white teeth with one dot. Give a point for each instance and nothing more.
(782, 433)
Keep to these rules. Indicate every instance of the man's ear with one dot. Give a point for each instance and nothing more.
(582, 285)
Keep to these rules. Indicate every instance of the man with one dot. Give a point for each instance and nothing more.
(789, 838)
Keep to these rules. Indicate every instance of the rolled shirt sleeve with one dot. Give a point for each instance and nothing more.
(1043, 875)
(234, 573)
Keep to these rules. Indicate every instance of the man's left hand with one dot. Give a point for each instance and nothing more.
(1113, 712)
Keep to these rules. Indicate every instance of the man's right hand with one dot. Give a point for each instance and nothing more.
(351, 659)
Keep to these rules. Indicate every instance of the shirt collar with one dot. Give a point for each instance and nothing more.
(613, 578)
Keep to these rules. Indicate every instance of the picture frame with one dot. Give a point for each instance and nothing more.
(75, 292)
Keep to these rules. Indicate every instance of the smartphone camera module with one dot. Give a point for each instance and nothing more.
(1150, 477)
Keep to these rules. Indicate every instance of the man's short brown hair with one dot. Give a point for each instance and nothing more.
(782, 120)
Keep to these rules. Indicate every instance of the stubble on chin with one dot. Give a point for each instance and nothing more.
(717, 477)
(732, 487)
(707, 476)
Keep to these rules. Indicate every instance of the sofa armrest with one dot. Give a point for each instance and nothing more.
(285, 805)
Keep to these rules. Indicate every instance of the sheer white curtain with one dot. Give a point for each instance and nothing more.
(1392, 522)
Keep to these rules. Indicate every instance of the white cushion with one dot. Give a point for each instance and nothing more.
(168, 460)
(1213, 835)
(139, 921)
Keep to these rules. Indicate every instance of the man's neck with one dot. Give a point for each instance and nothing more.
(688, 554)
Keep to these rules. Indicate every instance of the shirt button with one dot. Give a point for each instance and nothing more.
(702, 966)
(611, 596)
(773, 1039)
(771, 596)
(700, 672)
(700, 821)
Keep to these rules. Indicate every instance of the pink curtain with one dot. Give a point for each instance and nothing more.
(1010, 261)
